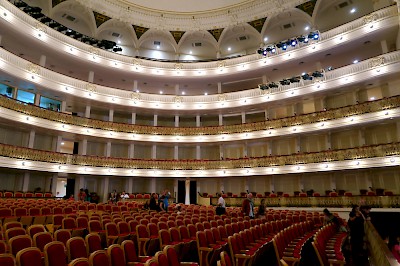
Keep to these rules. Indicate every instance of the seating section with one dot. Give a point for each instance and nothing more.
(74, 234)
(328, 243)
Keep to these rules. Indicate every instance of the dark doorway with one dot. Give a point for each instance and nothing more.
(70, 189)
(193, 192)
(181, 191)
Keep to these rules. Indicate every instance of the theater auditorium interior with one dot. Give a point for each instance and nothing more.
(184, 132)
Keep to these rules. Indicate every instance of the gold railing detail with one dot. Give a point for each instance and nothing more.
(358, 109)
(267, 161)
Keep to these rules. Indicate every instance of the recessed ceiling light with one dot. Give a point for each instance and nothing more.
(372, 98)
(119, 42)
(161, 92)
(307, 28)
(183, 93)
(158, 46)
(353, 10)
(62, 143)
(355, 61)
(229, 48)
(265, 39)
(190, 52)
(205, 93)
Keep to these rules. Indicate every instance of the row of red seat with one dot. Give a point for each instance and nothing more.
(20, 194)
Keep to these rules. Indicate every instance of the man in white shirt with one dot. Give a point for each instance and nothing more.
(221, 205)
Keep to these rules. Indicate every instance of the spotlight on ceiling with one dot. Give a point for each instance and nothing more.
(353, 10)
(263, 87)
(285, 82)
(317, 74)
(273, 85)
(313, 36)
(293, 42)
(294, 79)
(306, 77)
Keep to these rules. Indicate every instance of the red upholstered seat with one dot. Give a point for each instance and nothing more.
(30, 256)
(128, 246)
(99, 258)
(7, 260)
(93, 242)
(225, 259)
(54, 254)
(116, 255)
(18, 243)
(41, 239)
(162, 259)
(16, 231)
(76, 247)
(79, 262)
(62, 235)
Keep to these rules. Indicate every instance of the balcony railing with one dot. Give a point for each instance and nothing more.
(267, 161)
(337, 113)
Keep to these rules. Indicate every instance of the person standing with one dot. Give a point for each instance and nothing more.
(153, 202)
(167, 195)
(356, 226)
(248, 206)
(261, 210)
(221, 205)
(82, 195)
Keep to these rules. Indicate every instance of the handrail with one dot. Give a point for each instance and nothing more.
(304, 119)
(374, 151)
(380, 253)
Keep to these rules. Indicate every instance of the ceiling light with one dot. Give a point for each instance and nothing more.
(355, 61)
(161, 92)
(353, 10)
(307, 28)
(190, 52)
(119, 42)
(265, 39)
(183, 93)
(372, 98)
(158, 47)
(229, 48)
(205, 93)
(62, 143)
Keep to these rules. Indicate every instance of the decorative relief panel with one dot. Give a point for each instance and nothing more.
(90, 87)
(33, 68)
(375, 62)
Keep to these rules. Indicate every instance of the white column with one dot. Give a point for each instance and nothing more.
(176, 152)
(301, 183)
(111, 115)
(37, 99)
(153, 188)
(272, 184)
(130, 185)
(79, 183)
(131, 151)
(87, 111)
(82, 149)
(298, 144)
(220, 121)
(328, 142)
(384, 47)
(219, 84)
(91, 76)
(246, 185)
(198, 121)
(175, 188)
(155, 120)
(135, 85)
(243, 117)
(106, 184)
(31, 139)
(221, 151)
(42, 60)
(245, 150)
(266, 114)
(154, 152)
(58, 143)
(25, 184)
(176, 89)
(198, 152)
(177, 121)
(269, 148)
(187, 191)
(361, 136)
(53, 188)
(133, 118)
(108, 149)
(221, 185)
(332, 182)
(63, 106)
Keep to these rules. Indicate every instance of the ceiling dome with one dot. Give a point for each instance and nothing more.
(185, 6)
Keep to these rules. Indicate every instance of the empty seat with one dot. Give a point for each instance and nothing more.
(76, 248)
(54, 254)
(7, 260)
(42, 239)
(29, 256)
(99, 258)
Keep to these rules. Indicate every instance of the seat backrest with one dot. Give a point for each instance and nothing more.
(41, 239)
(99, 258)
(76, 248)
(7, 260)
(62, 235)
(116, 255)
(79, 262)
(128, 246)
(34, 229)
(29, 256)
(12, 224)
(18, 243)
(93, 242)
(162, 259)
(54, 254)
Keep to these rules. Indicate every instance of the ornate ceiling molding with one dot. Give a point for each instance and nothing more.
(172, 21)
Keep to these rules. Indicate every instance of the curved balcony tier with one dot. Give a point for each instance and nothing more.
(366, 112)
(331, 160)
(381, 66)
(342, 35)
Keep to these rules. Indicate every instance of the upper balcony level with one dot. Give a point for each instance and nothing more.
(23, 26)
